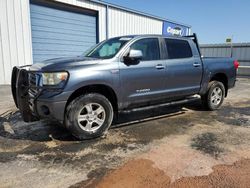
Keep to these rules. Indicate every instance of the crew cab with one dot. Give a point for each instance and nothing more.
(120, 74)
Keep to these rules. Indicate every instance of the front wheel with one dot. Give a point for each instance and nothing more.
(89, 116)
(215, 95)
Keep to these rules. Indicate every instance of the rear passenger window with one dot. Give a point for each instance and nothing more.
(178, 49)
(149, 47)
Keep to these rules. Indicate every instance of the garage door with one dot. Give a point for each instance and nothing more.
(60, 33)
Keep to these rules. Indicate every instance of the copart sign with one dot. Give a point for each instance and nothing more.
(171, 29)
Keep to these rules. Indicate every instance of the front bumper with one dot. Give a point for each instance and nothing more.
(36, 102)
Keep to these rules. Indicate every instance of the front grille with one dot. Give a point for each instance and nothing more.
(34, 79)
(33, 88)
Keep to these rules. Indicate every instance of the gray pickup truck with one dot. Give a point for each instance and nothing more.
(120, 74)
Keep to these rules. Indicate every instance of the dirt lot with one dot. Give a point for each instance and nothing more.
(181, 146)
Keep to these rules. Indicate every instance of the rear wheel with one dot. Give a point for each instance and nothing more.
(215, 95)
(89, 116)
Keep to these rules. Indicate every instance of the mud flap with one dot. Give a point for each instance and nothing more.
(20, 87)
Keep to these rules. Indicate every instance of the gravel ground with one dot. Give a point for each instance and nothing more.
(177, 146)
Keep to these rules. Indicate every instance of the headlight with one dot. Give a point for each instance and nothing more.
(56, 78)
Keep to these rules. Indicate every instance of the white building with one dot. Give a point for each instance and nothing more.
(32, 31)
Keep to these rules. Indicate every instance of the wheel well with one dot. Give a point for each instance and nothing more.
(104, 90)
(221, 77)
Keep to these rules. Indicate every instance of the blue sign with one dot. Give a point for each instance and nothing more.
(171, 29)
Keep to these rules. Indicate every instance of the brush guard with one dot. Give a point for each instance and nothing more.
(20, 91)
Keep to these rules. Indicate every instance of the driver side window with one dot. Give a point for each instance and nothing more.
(149, 47)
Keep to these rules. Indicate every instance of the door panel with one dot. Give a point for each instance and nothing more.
(183, 70)
(144, 81)
(183, 77)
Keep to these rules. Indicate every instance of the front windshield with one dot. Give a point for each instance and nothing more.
(108, 48)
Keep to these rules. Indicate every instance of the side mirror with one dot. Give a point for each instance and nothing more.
(134, 56)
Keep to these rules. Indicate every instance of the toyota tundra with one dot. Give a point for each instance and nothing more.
(123, 73)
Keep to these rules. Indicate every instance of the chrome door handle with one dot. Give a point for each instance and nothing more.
(159, 66)
(196, 64)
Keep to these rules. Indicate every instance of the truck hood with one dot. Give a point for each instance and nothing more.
(64, 63)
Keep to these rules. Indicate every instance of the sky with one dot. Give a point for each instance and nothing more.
(212, 20)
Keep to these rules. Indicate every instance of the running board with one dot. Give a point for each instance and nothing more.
(186, 100)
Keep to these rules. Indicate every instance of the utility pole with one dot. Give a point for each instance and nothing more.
(230, 40)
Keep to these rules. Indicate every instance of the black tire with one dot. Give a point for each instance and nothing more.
(208, 101)
(74, 109)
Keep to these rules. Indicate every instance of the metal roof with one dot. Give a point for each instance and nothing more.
(225, 45)
(138, 12)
